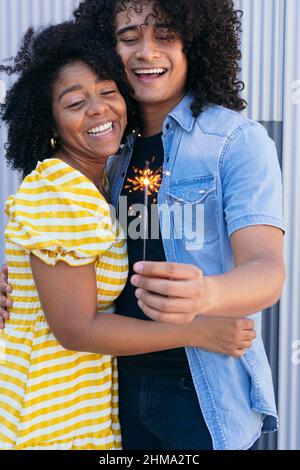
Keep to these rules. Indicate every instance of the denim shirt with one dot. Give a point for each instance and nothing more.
(224, 168)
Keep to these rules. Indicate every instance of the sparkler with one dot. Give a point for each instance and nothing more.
(148, 181)
(146, 196)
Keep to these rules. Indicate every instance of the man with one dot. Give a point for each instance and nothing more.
(181, 58)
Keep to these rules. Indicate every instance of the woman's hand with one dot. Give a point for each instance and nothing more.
(5, 303)
(230, 336)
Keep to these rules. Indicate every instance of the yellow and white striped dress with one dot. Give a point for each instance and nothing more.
(51, 398)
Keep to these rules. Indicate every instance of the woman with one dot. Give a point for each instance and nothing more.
(65, 116)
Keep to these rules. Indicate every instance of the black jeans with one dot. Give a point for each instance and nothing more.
(160, 413)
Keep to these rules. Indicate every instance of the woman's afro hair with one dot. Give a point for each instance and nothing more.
(28, 106)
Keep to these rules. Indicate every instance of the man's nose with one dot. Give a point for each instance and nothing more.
(147, 50)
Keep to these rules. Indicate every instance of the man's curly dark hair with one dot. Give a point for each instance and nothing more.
(28, 106)
(210, 31)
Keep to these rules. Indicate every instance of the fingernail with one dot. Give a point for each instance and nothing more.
(139, 267)
(140, 305)
(135, 281)
(138, 293)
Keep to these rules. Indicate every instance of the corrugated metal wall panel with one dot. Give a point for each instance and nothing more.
(262, 62)
(263, 74)
(15, 17)
(270, 319)
(289, 357)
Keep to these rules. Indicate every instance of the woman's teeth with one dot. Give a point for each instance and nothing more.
(101, 130)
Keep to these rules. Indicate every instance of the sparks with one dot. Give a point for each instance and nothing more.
(147, 181)
(144, 179)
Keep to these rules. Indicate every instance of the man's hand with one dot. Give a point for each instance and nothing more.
(230, 336)
(169, 292)
(176, 293)
(4, 302)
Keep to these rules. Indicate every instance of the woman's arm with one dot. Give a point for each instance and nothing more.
(68, 298)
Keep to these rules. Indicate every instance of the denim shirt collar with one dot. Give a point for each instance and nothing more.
(182, 114)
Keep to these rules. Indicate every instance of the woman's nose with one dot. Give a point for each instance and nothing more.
(97, 105)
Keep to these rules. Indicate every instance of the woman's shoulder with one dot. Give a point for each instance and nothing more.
(47, 176)
(54, 185)
(56, 177)
(53, 172)
(57, 210)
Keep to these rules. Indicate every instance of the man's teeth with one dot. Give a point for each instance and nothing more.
(104, 129)
(150, 71)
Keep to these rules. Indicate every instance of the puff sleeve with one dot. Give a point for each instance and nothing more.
(58, 215)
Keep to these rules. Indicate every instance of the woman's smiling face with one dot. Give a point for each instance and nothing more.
(89, 113)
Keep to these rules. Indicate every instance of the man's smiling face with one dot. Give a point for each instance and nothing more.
(153, 56)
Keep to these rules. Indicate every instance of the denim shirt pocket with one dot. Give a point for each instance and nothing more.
(193, 207)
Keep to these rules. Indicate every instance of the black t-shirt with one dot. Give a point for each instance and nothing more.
(170, 363)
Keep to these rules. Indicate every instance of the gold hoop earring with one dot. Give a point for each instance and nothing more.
(53, 142)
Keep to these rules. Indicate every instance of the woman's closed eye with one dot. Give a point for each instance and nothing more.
(76, 105)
